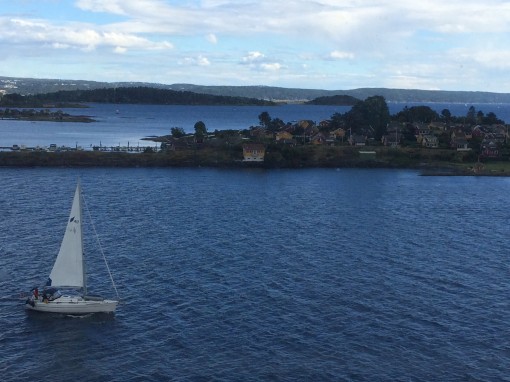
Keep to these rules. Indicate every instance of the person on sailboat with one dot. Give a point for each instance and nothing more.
(33, 298)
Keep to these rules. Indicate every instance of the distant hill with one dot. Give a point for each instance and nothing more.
(127, 95)
(340, 100)
(35, 86)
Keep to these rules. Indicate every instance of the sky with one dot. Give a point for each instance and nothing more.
(313, 44)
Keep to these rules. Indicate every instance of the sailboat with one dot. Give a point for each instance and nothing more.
(66, 289)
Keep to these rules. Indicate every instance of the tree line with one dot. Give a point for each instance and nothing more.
(371, 117)
(127, 95)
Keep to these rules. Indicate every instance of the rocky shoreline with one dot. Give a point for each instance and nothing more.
(217, 159)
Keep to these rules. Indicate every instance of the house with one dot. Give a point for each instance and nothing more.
(437, 126)
(253, 152)
(357, 140)
(490, 149)
(461, 132)
(421, 129)
(479, 131)
(306, 124)
(391, 140)
(318, 139)
(260, 132)
(429, 141)
(460, 144)
(338, 134)
(283, 136)
(325, 123)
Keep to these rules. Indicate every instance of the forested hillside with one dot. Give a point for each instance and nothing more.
(26, 86)
(127, 95)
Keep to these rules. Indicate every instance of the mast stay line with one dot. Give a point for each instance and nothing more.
(100, 247)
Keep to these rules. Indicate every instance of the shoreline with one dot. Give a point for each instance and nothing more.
(198, 159)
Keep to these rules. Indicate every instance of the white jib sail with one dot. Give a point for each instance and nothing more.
(68, 270)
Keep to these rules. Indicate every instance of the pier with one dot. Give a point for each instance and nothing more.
(63, 148)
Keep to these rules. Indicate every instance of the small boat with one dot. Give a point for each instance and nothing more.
(66, 289)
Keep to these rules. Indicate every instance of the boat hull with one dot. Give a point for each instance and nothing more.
(72, 306)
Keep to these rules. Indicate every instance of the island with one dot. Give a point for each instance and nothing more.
(42, 115)
(365, 136)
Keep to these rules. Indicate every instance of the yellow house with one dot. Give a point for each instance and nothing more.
(283, 135)
(253, 152)
(338, 133)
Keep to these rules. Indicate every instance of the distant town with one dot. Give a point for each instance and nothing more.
(365, 136)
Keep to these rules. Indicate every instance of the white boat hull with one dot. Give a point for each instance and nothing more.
(72, 305)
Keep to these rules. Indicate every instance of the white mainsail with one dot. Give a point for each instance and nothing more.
(68, 270)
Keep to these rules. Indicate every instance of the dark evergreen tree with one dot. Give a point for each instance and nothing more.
(177, 132)
(265, 119)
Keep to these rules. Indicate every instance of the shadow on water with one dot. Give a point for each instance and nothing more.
(59, 328)
(64, 343)
(35, 317)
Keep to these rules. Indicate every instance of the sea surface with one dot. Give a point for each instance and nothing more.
(263, 275)
(128, 125)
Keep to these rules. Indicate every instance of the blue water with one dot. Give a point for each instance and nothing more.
(123, 125)
(254, 275)
(128, 124)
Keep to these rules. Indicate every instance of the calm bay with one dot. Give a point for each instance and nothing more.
(123, 125)
(319, 274)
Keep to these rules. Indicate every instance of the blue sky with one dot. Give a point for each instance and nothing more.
(321, 44)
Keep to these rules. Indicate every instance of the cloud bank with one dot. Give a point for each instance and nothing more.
(331, 44)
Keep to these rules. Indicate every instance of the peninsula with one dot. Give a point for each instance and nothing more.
(42, 115)
(365, 136)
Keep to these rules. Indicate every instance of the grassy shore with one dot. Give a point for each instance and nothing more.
(430, 162)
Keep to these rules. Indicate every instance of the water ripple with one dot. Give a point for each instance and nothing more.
(320, 275)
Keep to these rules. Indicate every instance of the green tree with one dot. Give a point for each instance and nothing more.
(446, 115)
(265, 119)
(471, 115)
(337, 121)
(423, 114)
(377, 115)
(200, 129)
(177, 132)
(480, 117)
(492, 119)
(371, 114)
(276, 124)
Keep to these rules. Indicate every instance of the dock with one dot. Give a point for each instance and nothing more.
(63, 148)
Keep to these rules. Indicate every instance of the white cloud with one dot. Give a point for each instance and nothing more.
(273, 67)
(212, 38)
(195, 61)
(258, 61)
(78, 36)
(57, 45)
(203, 61)
(419, 42)
(340, 55)
(120, 50)
(253, 57)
